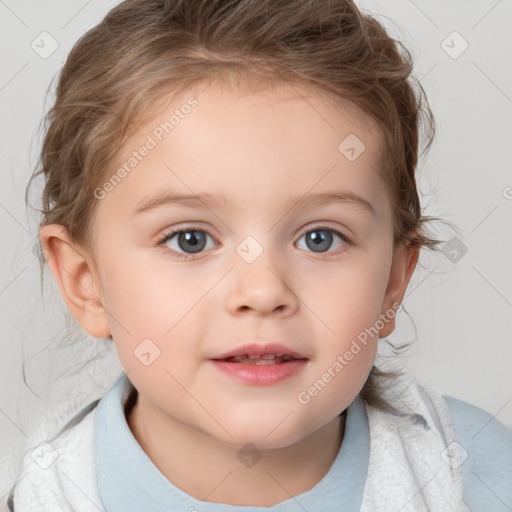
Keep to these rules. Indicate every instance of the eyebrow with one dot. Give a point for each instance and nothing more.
(207, 201)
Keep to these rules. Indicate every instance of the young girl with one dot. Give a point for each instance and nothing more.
(231, 200)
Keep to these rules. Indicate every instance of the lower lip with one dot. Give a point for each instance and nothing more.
(261, 375)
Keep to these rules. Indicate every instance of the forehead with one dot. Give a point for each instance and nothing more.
(252, 144)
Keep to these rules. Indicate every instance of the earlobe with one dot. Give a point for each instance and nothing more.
(402, 267)
(78, 285)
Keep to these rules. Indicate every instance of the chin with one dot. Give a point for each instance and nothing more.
(262, 437)
(249, 442)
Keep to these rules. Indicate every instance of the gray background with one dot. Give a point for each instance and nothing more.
(459, 303)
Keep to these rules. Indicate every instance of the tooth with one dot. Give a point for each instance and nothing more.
(268, 356)
(253, 356)
(266, 363)
(237, 358)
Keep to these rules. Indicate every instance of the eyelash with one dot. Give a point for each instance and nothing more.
(167, 236)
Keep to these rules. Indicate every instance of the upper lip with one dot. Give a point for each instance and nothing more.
(258, 349)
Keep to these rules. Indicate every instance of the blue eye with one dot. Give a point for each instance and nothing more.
(190, 241)
(321, 239)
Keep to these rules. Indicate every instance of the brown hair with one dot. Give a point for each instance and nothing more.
(116, 74)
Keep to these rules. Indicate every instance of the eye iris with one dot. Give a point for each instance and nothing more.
(319, 239)
(195, 239)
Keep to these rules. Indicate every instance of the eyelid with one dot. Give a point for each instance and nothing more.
(196, 227)
(345, 237)
(184, 227)
(168, 234)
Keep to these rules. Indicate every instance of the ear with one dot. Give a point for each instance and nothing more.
(75, 276)
(402, 268)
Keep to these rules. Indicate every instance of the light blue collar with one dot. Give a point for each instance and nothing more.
(129, 481)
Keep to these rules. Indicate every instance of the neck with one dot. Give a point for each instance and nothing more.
(279, 474)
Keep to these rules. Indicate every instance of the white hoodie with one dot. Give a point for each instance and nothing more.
(387, 462)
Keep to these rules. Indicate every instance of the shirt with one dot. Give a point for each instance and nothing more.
(103, 468)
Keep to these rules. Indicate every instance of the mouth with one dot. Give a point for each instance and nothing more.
(259, 360)
(258, 365)
(260, 354)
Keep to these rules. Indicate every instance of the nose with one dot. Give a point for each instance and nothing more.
(261, 287)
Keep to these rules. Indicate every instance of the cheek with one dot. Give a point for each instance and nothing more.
(346, 296)
(138, 292)
(152, 301)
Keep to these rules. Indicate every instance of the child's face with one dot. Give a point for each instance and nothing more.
(257, 275)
